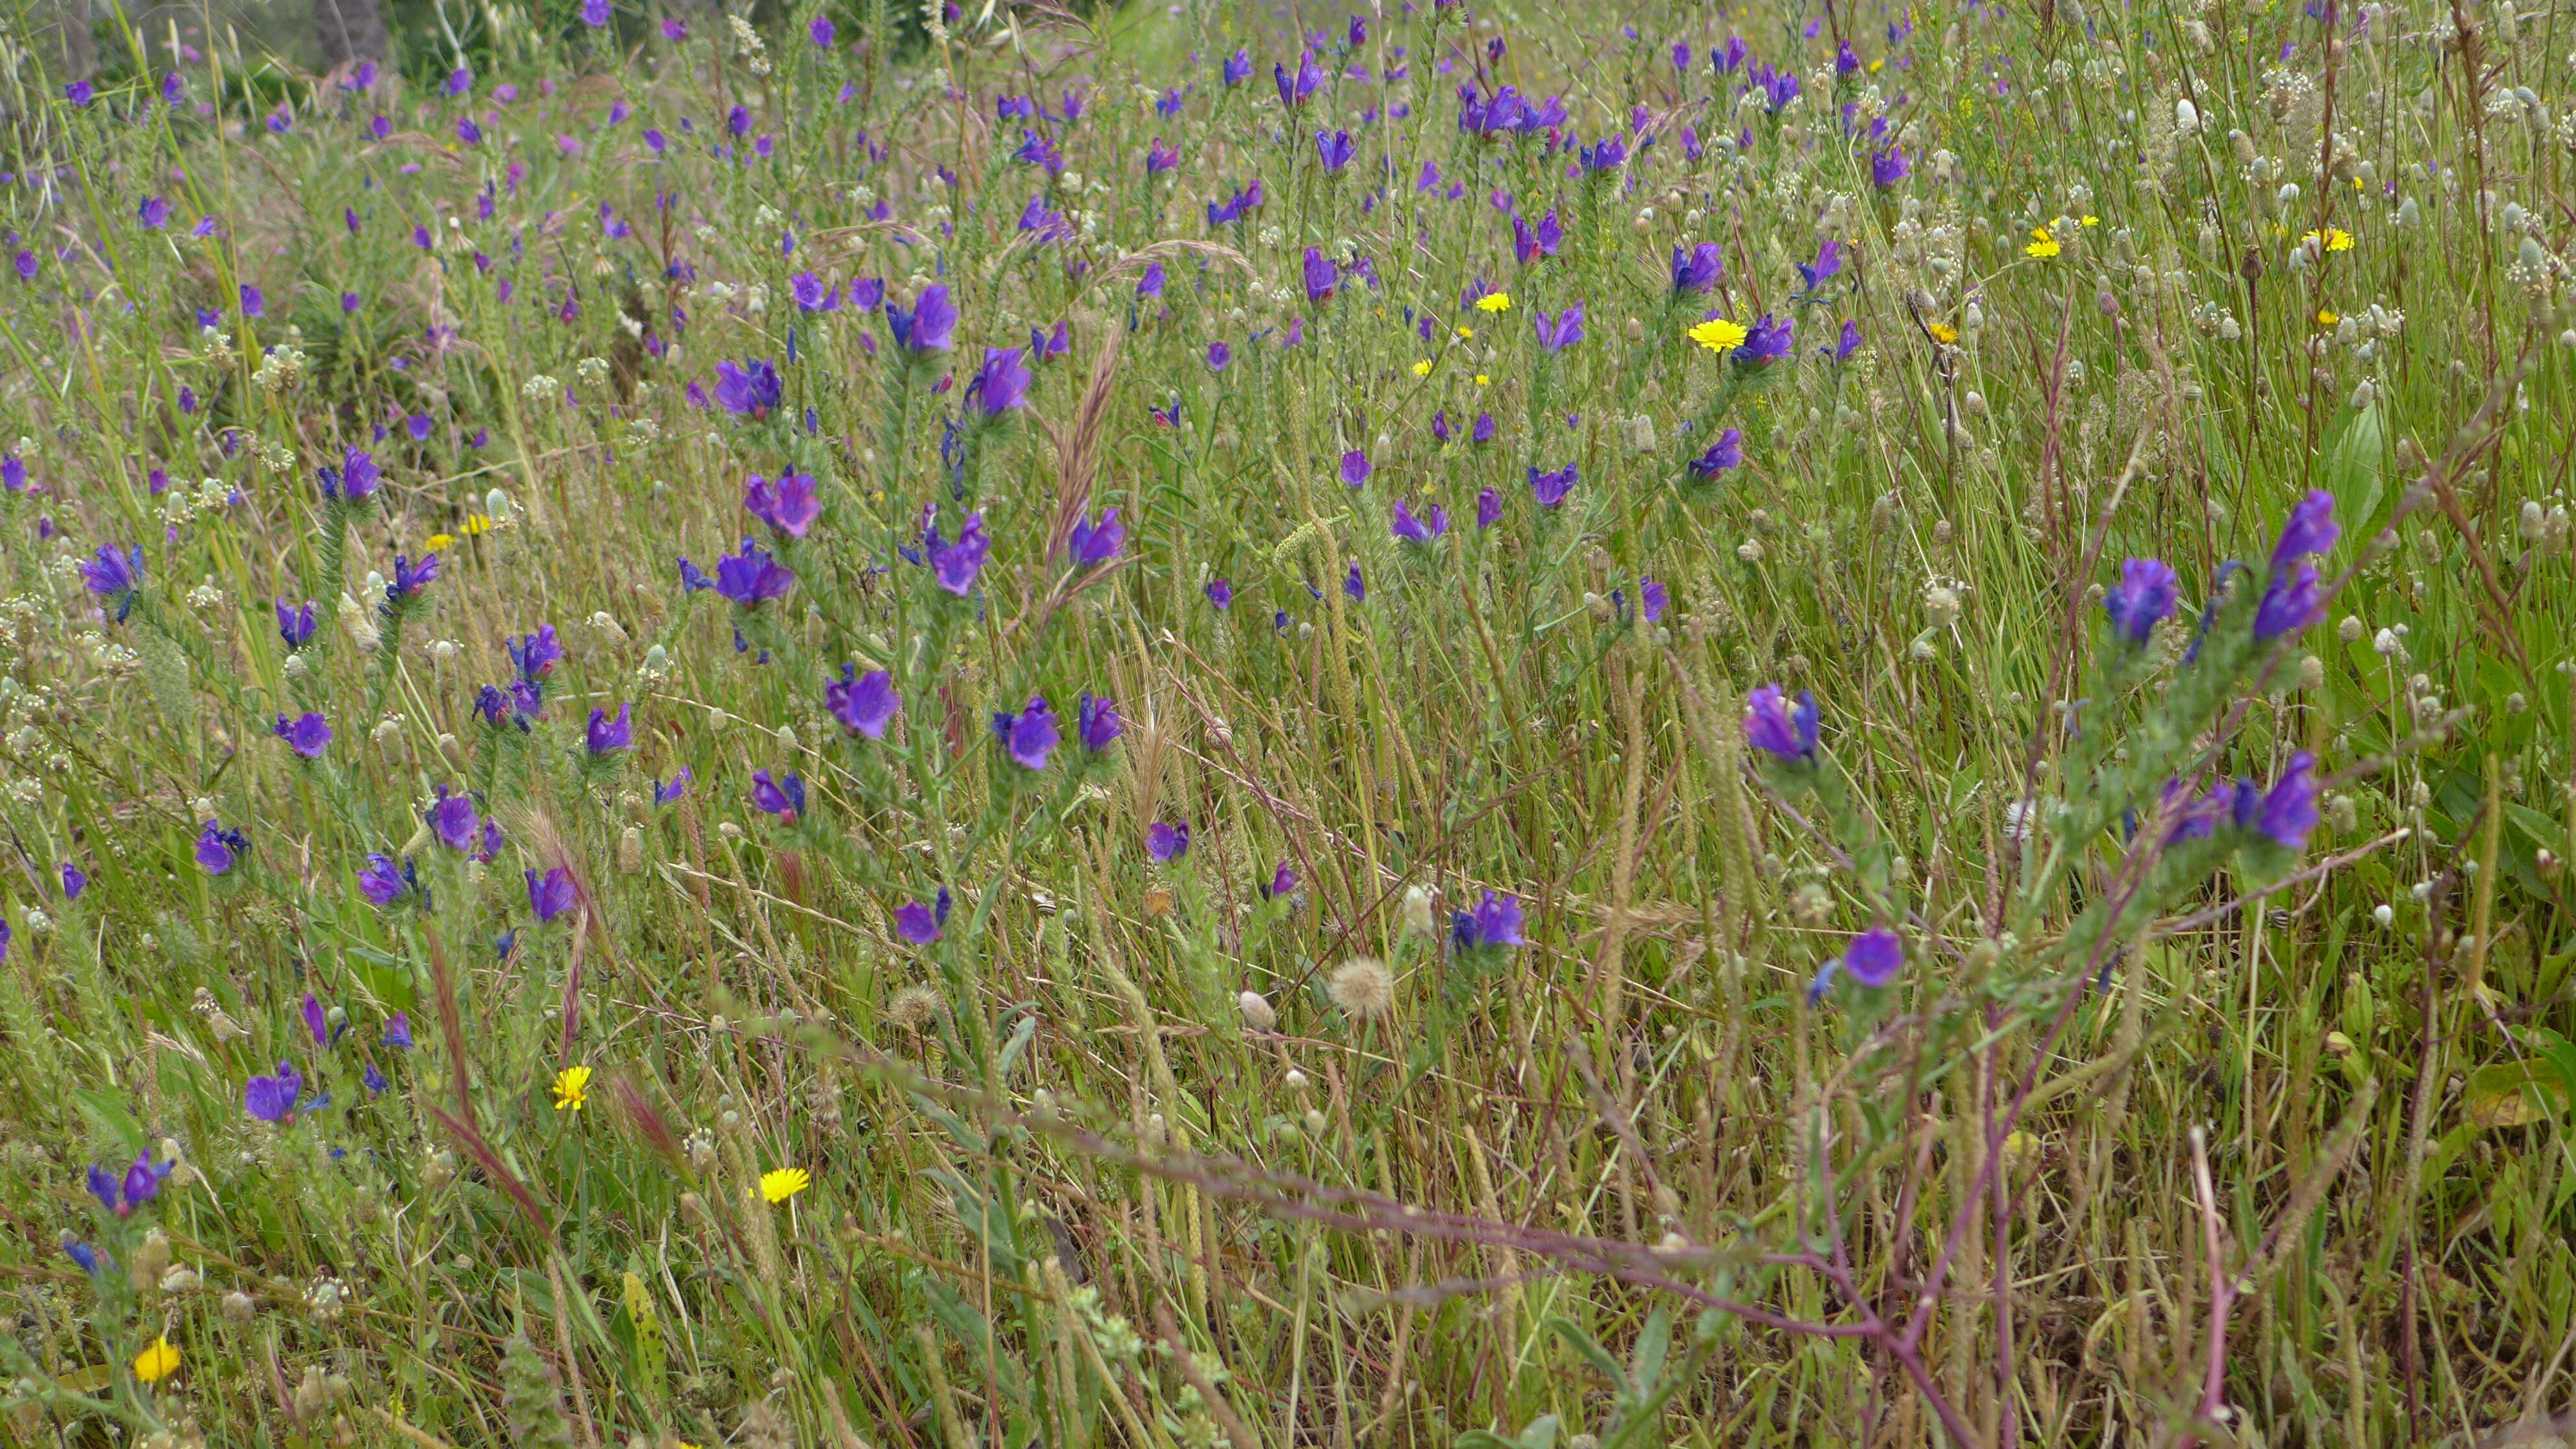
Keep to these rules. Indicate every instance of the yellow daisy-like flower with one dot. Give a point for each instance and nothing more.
(781, 1183)
(2092, 220)
(475, 525)
(1494, 302)
(1466, 334)
(2042, 246)
(2333, 239)
(1943, 333)
(1422, 368)
(1482, 380)
(2327, 316)
(438, 541)
(1718, 335)
(572, 1089)
(157, 1362)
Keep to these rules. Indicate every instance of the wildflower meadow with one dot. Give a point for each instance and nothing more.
(1472, 725)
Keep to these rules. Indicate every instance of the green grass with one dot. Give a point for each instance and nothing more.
(2300, 1175)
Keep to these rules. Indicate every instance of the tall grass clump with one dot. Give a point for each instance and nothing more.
(1481, 727)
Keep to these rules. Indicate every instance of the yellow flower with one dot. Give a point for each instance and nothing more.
(2327, 316)
(572, 1089)
(1466, 334)
(157, 1362)
(1944, 333)
(1718, 335)
(475, 525)
(438, 541)
(2042, 245)
(2092, 220)
(1494, 302)
(779, 1184)
(1422, 368)
(2333, 239)
(1482, 380)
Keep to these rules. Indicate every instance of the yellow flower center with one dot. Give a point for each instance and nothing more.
(572, 1089)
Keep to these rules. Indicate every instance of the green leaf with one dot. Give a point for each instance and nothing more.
(2513, 1094)
(2353, 470)
(2562, 1057)
(1584, 1344)
(1646, 1363)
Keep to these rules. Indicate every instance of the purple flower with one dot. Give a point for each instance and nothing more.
(783, 797)
(1561, 331)
(955, 565)
(1029, 736)
(1160, 157)
(451, 818)
(1529, 244)
(272, 1099)
(1220, 593)
(317, 1022)
(2288, 810)
(1092, 545)
(1699, 268)
(1218, 355)
(1654, 596)
(1096, 722)
(751, 390)
(1495, 922)
(752, 577)
(80, 93)
(1237, 206)
(1281, 882)
(354, 481)
(820, 32)
(2292, 600)
(1771, 726)
(1433, 523)
(384, 881)
(930, 326)
(308, 735)
(75, 880)
(114, 575)
(410, 578)
(864, 704)
(1321, 276)
(1483, 432)
(812, 293)
(789, 506)
(1043, 345)
(1887, 167)
(2142, 599)
(551, 894)
(374, 1077)
(1237, 68)
(1489, 508)
(535, 655)
(664, 794)
(1355, 467)
(1609, 155)
(606, 734)
(1767, 343)
(398, 1031)
(1336, 149)
(154, 213)
(1847, 343)
(594, 13)
(1167, 843)
(1354, 587)
(1550, 488)
(1002, 383)
(1875, 957)
(2310, 529)
(218, 849)
(1293, 93)
(920, 924)
(1151, 283)
(1827, 265)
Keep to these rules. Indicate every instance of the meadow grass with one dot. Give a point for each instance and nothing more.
(1107, 747)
